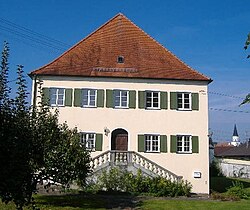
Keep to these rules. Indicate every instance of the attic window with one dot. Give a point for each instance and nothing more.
(120, 59)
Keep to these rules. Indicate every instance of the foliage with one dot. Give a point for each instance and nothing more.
(221, 184)
(237, 190)
(215, 170)
(247, 43)
(34, 146)
(123, 181)
(224, 197)
(246, 100)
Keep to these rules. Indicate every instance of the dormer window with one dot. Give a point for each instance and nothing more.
(120, 59)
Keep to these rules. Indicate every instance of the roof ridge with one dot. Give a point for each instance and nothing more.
(79, 42)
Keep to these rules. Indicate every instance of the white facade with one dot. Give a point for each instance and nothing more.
(139, 121)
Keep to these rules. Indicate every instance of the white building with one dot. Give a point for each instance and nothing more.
(133, 102)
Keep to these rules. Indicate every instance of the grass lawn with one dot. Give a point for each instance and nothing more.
(113, 201)
(87, 201)
(195, 204)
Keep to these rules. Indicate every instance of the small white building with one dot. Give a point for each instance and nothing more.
(133, 101)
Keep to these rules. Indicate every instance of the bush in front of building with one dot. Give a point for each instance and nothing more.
(118, 180)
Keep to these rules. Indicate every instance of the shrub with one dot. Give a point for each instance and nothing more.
(224, 197)
(237, 190)
(215, 170)
(123, 181)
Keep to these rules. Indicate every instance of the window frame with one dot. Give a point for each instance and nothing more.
(56, 104)
(151, 140)
(85, 140)
(88, 105)
(183, 101)
(152, 99)
(183, 146)
(120, 99)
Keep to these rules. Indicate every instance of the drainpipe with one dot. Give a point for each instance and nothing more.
(34, 91)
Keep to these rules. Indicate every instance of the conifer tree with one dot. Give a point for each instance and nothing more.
(4, 72)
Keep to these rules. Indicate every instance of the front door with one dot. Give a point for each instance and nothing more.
(119, 140)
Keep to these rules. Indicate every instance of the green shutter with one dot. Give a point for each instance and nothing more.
(141, 97)
(100, 98)
(141, 143)
(45, 96)
(164, 100)
(195, 101)
(98, 142)
(163, 147)
(78, 97)
(109, 99)
(195, 144)
(132, 99)
(173, 144)
(68, 97)
(173, 100)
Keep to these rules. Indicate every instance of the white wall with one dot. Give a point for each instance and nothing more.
(234, 168)
(140, 121)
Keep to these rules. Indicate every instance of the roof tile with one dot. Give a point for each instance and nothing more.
(120, 37)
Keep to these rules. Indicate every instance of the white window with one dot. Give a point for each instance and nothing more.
(184, 144)
(152, 100)
(121, 98)
(89, 98)
(184, 101)
(88, 140)
(152, 143)
(57, 96)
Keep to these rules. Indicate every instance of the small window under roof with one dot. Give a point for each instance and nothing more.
(120, 59)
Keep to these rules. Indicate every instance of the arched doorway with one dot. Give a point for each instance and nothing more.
(119, 140)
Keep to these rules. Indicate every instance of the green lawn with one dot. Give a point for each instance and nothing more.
(195, 204)
(108, 201)
(82, 201)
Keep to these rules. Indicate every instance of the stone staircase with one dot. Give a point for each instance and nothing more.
(132, 161)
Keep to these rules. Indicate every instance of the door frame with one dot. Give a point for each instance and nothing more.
(110, 139)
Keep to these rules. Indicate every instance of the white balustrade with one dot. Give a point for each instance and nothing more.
(123, 157)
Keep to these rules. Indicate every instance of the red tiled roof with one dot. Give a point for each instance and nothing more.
(242, 150)
(96, 56)
(219, 149)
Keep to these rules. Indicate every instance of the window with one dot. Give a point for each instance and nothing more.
(152, 100)
(89, 98)
(121, 98)
(120, 59)
(88, 140)
(152, 143)
(184, 144)
(57, 96)
(184, 101)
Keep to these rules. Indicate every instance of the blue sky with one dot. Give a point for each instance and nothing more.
(207, 35)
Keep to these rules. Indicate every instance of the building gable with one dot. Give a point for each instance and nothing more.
(120, 49)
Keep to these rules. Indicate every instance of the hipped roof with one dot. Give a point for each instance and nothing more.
(97, 54)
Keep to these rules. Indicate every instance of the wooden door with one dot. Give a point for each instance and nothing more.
(121, 142)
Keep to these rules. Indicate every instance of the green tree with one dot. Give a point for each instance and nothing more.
(4, 73)
(34, 146)
(247, 43)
